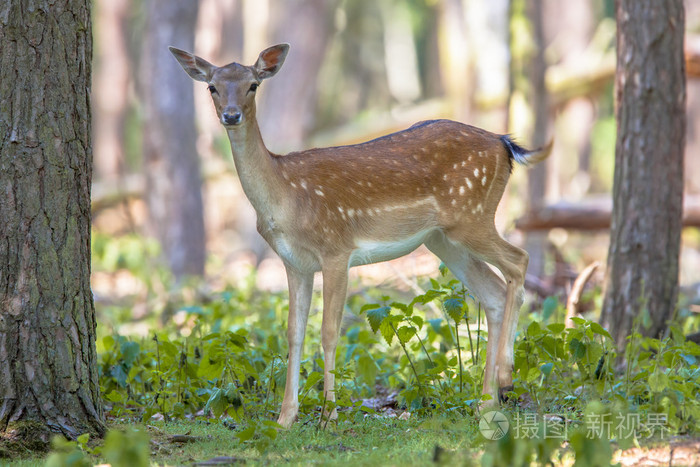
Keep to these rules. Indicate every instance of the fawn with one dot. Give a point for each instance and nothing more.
(437, 183)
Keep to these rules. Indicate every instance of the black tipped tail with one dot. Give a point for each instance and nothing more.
(523, 156)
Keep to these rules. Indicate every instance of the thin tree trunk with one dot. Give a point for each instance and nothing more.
(174, 193)
(287, 108)
(111, 86)
(648, 185)
(535, 242)
(48, 361)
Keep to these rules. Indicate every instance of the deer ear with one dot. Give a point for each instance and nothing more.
(198, 68)
(270, 60)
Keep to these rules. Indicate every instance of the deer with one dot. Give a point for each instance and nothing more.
(437, 183)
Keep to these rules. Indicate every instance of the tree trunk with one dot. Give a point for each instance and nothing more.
(48, 361)
(111, 88)
(174, 187)
(642, 273)
(536, 242)
(288, 103)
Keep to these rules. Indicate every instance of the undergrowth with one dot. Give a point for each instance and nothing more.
(223, 361)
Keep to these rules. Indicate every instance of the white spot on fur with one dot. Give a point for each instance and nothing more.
(476, 173)
(461, 190)
(444, 177)
(464, 163)
(452, 190)
(453, 202)
(454, 166)
(294, 185)
(483, 180)
(351, 212)
(303, 184)
(318, 192)
(469, 183)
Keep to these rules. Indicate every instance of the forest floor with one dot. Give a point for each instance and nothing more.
(374, 441)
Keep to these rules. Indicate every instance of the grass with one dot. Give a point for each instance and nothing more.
(372, 441)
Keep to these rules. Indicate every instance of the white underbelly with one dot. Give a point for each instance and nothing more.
(372, 251)
(294, 255)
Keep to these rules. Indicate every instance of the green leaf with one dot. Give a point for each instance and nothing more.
(114, 396)
(534, 330)
(367, 369)
(402, 307)
(83, 439)
(117, 372)
(108, 342)
(418, 321)
(369, 306)
(556, 328)
(405, 333)
(658, 381)
(454, 307)
(598, 329)
(387, 331)
(312, 380)
(168, 348)
(577, 349)
(546, 369)
(246, 434)
(130, 351)
(217, 402)
(377, 316)
(579, 321)
(436, 324)
(549, 306)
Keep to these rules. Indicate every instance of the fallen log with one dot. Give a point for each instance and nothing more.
(590, 215)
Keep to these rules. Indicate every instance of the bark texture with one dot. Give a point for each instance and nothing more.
(48, 361)
(174, 186)
(648, 185)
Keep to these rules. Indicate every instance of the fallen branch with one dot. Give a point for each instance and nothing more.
(590, 215)
(575, 295)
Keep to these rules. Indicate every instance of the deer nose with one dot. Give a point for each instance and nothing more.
(232, 117)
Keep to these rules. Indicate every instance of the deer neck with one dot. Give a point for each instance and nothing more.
(256, 167)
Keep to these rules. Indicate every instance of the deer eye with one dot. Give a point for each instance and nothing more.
(253, 87)
(212, 89)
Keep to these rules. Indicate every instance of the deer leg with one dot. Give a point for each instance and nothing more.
(487, 287)
(300, 291)
(511, 261)
(335, 285)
